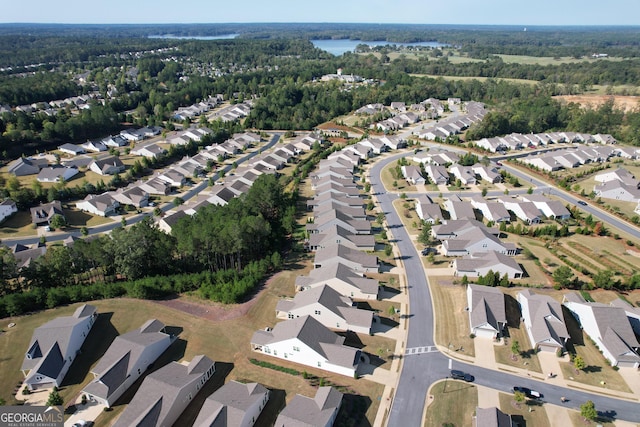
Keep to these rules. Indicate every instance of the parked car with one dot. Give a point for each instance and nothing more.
(531, 394)
(459, 375)
(427, 251)
(583, 203)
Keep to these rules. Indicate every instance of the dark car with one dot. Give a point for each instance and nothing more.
(580, 202)
(427, 251)
(531, 394)
(459, 375)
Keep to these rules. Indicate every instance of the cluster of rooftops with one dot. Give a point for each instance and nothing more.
(165, 392)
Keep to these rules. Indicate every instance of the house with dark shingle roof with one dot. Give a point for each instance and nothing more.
(327, 306)
(233, 404)
(479, 264)
(42, 214)
(320, 411)
(306, 341)
(487, 314)
(128, 358)
(492, 417)
(166, 393)
(107, 165)
(54, 346)
(543, 321)
(609, 327)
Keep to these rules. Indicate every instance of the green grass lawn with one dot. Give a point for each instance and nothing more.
(453, 402)
(17, 225)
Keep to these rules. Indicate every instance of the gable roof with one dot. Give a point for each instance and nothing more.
(315, 335)
(340, 272)
(304, 411)
(487, 306)
(543, 317)
(230, 402)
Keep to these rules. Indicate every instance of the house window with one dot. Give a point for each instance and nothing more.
(316, 312)
(267, 350)
(319, 364)
(275, 352)
(189, 397)
(290, 316)
(138, 371)
(296, 348)
(484, 245)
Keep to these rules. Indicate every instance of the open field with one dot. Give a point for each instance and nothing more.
(626, 103)
(536, 418)
(481, 79)
(226, 342)
(453, 402)
(449, 302)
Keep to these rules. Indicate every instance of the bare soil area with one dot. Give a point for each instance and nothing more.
(626, 103)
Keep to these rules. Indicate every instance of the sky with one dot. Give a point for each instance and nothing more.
(470, 12)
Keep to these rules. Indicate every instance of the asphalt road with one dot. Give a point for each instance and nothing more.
(105, 228)
(419, 371)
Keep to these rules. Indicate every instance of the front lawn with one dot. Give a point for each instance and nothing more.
(454, 402)
(452, 319)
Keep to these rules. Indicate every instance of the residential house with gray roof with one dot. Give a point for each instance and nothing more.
(633, 313)
(479, 264)
(330, 197)
(543, 321)
(487, 314)
(465, 174)
(486, 173)
(334, 217)
(617, 190)
(352, 258)
(26, 166)
(328, 307)
(41, 215)
(413, 175)
(492, 417)
(128, 358)
(101, 205)
(609, 327)
(338, 234)
(107, 165)
(343, 279)
(56, 174)
(54, 346)
(234, 404)
(526, 211)
(166, 393)
(320, 411)
(437, 174)
(459, 210)
(306, 341)
(491, 211)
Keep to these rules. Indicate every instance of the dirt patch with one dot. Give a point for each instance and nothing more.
(626, 103)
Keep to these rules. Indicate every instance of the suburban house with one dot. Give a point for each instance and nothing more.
(101, 205)
(617, 190)
(492, 417)
(7, 208)
(339, 189)
(42, 214)
(486, 173)
(413, 175)
(108, 165)
(633, 313)
(115, 141)
(458, 209)
(619, 174)
(320, 411)
(173, 178)
(334, 217)
(152, 151)
(134, 196)
(337, 234)
(543, 321)
(465, 174)
(56, 174)
(72, 149)
(341, 278)
(156, 186)
(220, 195)
(526, 211)
(491, 211)
(27, 166)
(233, 404)
(328, 307)
(306, 341)
(167, 222)
(464, 237)
(609, 327)
(437, 174)
(128, 358)
(95, 146)
(428, 211)
(54, 346)
(487, 315)
(549, 208)
(356, 212)
(334, 198)
(166, 393)
(352, 258)
(479, 264)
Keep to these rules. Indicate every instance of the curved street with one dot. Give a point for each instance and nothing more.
(421, 370)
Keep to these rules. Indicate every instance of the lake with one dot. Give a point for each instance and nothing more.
(171, 36)
(338, 47)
